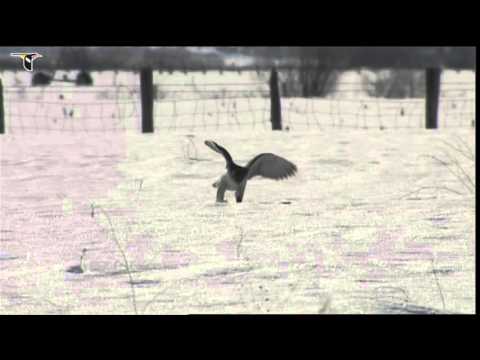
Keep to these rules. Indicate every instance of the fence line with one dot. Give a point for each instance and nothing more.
(197, 106)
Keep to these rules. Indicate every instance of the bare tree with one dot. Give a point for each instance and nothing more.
(310, 78)
(395, 83)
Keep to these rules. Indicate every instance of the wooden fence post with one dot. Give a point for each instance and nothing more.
(276, 106)
(146, 88)
(2, 112)
(432, 80)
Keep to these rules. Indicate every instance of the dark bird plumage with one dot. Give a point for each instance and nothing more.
(267, 165)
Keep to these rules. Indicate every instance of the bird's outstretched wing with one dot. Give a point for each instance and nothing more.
(270, 166)
(219, 149)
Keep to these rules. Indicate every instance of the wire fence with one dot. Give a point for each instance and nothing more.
(223, 106)
(352, 108)
(63, 108)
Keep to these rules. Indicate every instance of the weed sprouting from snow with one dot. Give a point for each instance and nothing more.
(438, 283)
(190, 149)
(126, 264)
(463, 173)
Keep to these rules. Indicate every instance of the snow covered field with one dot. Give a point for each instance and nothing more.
(371, 223)
(344, 236)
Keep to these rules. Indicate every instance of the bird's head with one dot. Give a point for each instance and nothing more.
(212, 145)
(219, 149)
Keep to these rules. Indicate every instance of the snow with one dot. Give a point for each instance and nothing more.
(348, 234)
(340, 231)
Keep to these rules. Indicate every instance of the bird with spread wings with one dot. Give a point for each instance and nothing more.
(267, 165)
